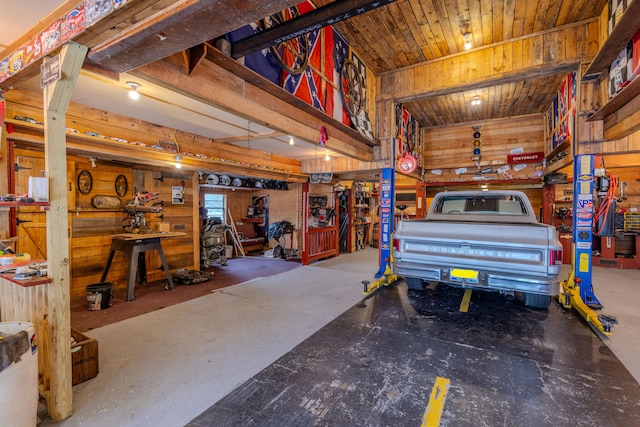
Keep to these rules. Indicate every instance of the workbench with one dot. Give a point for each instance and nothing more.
(135, 245)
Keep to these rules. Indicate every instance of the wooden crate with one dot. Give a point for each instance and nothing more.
(84, 358)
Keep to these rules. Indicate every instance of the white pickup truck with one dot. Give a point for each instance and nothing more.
(486, 240)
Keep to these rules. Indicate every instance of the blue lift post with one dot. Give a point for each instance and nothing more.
(578, 288)
(387, 224)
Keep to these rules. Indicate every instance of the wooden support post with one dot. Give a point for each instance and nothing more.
(195, 191)
(56, 102)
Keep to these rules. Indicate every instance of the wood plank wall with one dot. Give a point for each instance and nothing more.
(90, 228)
(449, 148)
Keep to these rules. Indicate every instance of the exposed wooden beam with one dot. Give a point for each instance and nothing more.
(249, 95)
(539, 55)
(328, 14)
(251, 137)
(196, 54)
(178, 27)
(495, 80)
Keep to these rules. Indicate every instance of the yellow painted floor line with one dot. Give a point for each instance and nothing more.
(464, 305)
(434, 409)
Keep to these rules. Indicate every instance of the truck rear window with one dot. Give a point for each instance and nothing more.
(481, 205)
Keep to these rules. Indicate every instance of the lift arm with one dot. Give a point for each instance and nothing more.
(578, 288)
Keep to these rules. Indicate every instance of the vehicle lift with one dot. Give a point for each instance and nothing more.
(384, 275)
(577, 290)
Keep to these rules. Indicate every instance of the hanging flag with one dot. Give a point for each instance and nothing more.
(307, 85)
(262, 62)
(336, 50)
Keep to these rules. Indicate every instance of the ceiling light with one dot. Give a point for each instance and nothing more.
(467, 41)
(291, 141)
(178, 160)
(476, 100)
(327, 157)
(133, 92)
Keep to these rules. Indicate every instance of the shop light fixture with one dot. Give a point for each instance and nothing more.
(133, 92)
(178, 162)
(467, 41)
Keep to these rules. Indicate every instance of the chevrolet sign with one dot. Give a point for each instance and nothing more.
(525, 158)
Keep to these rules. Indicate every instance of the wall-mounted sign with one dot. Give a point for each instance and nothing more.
(536, 157)
(50, 71)
(177, 195)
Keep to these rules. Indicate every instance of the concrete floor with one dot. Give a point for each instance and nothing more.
(194, 362)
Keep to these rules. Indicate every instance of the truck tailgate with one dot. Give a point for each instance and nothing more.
(470, 245)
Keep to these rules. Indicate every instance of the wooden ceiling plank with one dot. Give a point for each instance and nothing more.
(498, 21)
(552, 13)
(421, 30)
(530, 16)
(434, 23)
(509, 19)
(519, 18)
(590, 9)
(565, 10)
(417, 40)
(486, 11)
(541, 15)
(451, 37)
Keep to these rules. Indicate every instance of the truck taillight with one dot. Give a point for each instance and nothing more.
(396, 244)
(555, 257)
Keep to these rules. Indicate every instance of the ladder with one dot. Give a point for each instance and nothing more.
(235, 236)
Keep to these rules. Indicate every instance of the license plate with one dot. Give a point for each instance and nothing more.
(464, 276)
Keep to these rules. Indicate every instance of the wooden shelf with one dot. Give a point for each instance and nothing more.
(24, 204)
(563, 146)
(229, 187)
(614, 104)
(488, 181)
(622, 33)
(559, 165)
(32, 136)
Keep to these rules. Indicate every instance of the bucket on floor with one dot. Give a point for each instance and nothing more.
(99, 296)
(18, 374)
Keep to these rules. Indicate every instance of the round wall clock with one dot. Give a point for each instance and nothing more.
(121, 185)
(85, 182)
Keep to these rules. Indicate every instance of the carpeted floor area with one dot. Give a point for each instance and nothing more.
(153, 296)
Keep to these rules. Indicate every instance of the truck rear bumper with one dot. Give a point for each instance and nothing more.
(485, 280)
